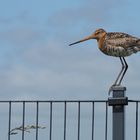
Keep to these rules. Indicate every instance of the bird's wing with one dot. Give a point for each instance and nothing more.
(122, 40)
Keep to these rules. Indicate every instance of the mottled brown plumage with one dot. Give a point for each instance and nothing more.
(115, 44)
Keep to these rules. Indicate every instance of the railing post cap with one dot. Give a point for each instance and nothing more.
(118, 88)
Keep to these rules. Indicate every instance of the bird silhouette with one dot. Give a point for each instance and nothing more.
(115, 44)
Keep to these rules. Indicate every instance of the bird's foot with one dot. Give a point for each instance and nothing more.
(111, 89)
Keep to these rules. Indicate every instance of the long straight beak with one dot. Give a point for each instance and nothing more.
(85, 39)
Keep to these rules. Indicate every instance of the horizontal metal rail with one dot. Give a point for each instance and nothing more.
(47, 101)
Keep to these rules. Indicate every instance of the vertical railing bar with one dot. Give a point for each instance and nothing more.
(93, 120)
(136, 120)
(106, 120)
(65, 121)
(50, 120)
(78, 120)
(23, 120)
(37, 112)
(9, 125)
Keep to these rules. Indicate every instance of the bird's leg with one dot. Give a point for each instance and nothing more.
(123, 67)
(126, 67)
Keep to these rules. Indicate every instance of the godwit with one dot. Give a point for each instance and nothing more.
(115, 44)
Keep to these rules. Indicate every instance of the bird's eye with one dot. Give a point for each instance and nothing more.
(97, 32)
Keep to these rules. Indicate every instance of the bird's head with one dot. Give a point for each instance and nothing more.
(99, 33)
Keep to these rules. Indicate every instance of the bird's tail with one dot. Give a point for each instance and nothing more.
(138, 47)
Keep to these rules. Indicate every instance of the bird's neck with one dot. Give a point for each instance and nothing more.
(101, 42)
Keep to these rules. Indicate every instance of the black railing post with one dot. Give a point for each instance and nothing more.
(118, 102)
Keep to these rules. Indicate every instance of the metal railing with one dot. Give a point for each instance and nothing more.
(63, 120)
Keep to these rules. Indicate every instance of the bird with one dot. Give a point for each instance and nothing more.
(116, 44)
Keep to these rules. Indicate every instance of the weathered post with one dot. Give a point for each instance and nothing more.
(118, 102)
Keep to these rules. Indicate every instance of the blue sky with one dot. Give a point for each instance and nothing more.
(36, 61)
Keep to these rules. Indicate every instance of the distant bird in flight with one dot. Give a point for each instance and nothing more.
(115, 44)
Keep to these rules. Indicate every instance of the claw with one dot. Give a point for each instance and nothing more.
(111, 89)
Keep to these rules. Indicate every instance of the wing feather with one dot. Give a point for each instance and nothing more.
(124, 40)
